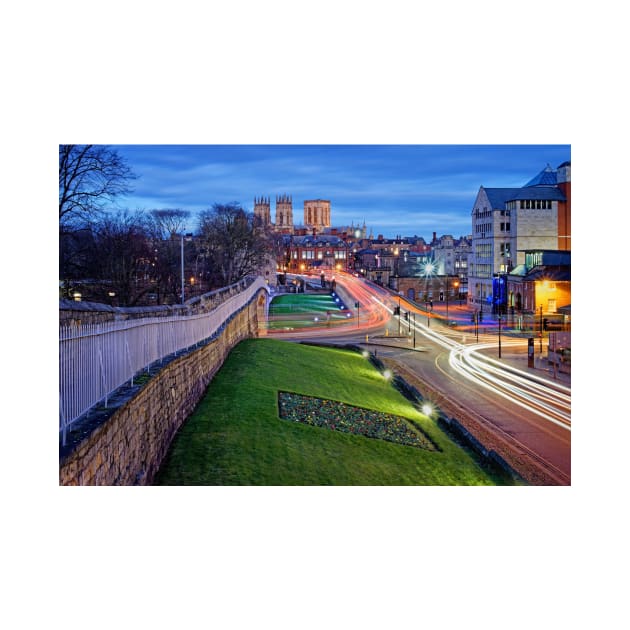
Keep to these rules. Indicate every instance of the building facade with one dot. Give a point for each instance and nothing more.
(541, 284)
(451, 256)
(312, 253)
(507, 222)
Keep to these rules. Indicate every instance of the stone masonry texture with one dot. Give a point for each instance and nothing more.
(129, 447)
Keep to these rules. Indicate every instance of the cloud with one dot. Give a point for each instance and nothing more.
(408, 188)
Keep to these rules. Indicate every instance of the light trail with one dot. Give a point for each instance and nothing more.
(544, 400)
(540, 396)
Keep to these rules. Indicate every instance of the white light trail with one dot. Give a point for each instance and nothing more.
(545, 398)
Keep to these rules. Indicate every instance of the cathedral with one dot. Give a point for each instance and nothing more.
(316, 214)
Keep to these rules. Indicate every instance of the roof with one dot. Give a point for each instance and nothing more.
(499, 196)
(321, 240)
(519, 270)
(546, 177)
(539, 192)
(555, 273)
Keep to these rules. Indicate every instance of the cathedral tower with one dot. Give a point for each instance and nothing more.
(262, 210)
(284, 213)
(317, 214)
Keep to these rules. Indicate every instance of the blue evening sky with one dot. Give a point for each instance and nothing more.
(396, 189)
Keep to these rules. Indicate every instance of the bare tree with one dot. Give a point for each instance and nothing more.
(234, 245)
(122, 258)
(169, 221)
(90, 177)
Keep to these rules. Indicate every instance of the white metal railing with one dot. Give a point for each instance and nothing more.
(96, 359)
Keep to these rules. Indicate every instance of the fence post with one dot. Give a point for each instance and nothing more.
(63, 422)
(103, 380)
(129, 360)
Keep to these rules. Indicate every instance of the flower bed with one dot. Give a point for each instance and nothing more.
(337, 416)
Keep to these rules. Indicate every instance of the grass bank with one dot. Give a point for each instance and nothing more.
(236, 437)
(305, 310)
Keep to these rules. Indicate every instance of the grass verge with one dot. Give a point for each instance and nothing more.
(236, 437)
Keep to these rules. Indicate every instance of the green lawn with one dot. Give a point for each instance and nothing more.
(304, 310)
(235, 436)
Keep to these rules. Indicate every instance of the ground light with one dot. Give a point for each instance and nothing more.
(387, 374)
(427, 409)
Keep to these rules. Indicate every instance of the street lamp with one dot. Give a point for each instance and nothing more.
(429, 269)
(414, 329)
(182, 261)
(541, 328)
(447, 299)
(181, 239)
(476, 320)
(455, 285)
(499, 318)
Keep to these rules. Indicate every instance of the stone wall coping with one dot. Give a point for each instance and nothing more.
(189, 307)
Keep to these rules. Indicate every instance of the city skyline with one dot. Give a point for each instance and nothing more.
(406, 190)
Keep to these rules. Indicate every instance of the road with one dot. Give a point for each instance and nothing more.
(522, 413)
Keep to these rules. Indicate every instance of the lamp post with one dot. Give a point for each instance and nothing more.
(414, 329)
(499, 318)
(429, 268)
(541, 328)
(187, 237)
(182, 263)
(447, 299)
(398, 315)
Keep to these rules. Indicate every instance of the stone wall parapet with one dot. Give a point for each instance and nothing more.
(72, 312)
(127, 446)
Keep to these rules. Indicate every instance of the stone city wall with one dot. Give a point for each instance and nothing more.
(71, 312)
(130, 445)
